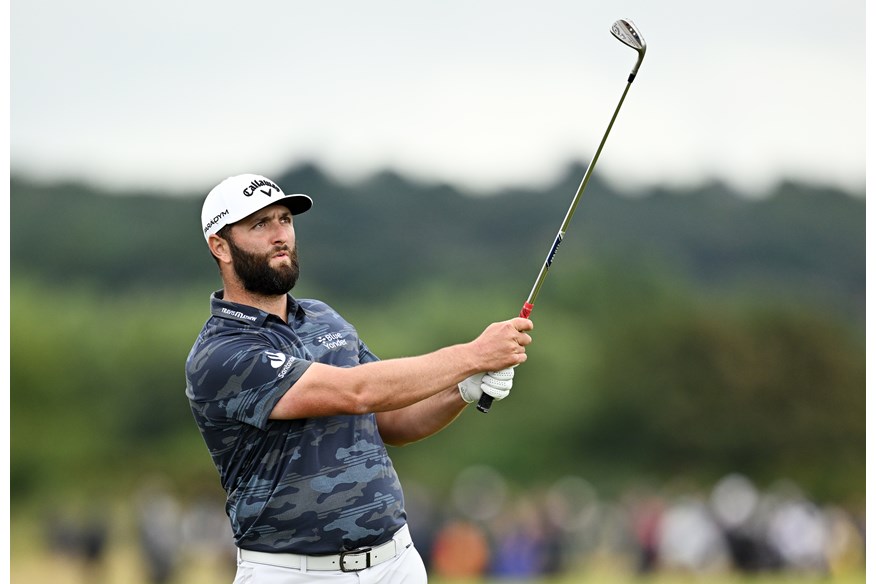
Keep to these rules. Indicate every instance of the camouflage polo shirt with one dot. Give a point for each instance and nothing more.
(308, 486)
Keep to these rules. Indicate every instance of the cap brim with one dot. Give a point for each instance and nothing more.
(298, 203)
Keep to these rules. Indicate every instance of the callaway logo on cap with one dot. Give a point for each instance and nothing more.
(240, 196)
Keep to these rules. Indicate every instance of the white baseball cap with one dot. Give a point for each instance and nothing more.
(240, 196)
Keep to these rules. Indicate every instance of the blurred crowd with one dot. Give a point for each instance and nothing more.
(169, 533)
(484, 527)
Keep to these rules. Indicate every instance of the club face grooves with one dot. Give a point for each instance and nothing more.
(627, 33)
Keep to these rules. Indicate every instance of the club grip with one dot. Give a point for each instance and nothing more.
(486, 401)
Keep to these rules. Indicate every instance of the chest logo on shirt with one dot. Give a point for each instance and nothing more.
(331, 340)
(277, 359)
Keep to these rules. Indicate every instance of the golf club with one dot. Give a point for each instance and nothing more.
(627, 33)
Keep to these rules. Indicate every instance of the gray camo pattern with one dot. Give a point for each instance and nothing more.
(310, 486)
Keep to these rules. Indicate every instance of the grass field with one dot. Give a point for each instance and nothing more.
(124, 566)
(613, 577)
(33, 563)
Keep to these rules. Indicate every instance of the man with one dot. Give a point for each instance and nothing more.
(295, 410)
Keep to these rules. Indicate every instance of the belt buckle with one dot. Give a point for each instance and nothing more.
(344, 554)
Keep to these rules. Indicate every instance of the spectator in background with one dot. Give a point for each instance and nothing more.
(159, 529)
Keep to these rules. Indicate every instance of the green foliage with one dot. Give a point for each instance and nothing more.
(767, 392)
(97, 387)
(386, 234)
(687, 334)
(627, 375)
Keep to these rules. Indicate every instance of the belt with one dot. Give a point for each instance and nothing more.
(347, 561)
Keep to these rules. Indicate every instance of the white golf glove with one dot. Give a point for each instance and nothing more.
(496, 384)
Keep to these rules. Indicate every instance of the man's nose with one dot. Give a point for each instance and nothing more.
(280, 233)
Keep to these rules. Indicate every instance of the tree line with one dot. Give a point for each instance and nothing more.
(679, 334)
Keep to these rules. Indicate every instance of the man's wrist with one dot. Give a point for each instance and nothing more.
(461, 359)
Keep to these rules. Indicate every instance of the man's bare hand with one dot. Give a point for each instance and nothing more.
(502, 344)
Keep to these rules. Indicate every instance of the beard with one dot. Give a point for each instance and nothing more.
(258, 276)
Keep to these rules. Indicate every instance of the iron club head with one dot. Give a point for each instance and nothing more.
(627, 33)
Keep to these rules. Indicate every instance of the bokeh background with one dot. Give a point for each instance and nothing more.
(694, 402)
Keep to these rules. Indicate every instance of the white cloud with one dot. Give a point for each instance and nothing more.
(481, 93)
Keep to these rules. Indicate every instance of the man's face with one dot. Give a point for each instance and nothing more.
(264, 253)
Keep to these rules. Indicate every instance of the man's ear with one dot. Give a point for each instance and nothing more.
(219, 248)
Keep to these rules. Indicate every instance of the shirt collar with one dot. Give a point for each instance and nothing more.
(244, 313)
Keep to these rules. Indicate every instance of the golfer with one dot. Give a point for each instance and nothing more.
(295, 410)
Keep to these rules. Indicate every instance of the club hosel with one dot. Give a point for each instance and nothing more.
(636, 67)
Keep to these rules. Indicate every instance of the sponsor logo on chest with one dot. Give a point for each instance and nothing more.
(332, 340)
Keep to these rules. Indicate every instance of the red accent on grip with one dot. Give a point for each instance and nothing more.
(526, 310)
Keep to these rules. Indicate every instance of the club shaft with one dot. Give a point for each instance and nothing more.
(542, 274)
(486, 401)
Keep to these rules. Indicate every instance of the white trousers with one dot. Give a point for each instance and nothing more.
(406, 568)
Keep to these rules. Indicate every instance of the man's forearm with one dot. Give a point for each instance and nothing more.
(422, 419)
(395, 384)
(380, 386)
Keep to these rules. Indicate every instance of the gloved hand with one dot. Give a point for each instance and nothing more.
(496, 384)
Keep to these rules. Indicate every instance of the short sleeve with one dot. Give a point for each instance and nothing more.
(240, 378)
(365, 354)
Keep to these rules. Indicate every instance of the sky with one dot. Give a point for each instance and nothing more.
(483, 94)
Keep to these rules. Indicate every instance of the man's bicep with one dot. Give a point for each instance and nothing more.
(321, 390)
(244, 381)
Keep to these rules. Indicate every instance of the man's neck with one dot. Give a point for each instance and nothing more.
(275, 305)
